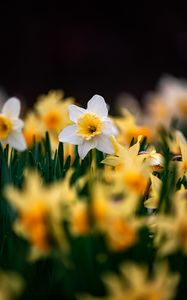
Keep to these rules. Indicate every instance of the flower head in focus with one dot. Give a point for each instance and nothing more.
(11, 125)
(92, 128)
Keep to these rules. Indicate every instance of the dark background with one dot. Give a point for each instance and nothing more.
(86, 49)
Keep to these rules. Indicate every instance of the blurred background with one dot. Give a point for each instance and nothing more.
(87, 49)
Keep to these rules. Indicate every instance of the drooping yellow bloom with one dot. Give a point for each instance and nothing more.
(135, 283)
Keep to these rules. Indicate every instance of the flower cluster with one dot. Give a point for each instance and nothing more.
(92, 205)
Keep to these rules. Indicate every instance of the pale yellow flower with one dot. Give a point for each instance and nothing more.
(114, 214)
(41, 210)
(53, 110)
(135, 283)
(154, 194)
(181, 165)
(171, 230)
(128, 128)
(132, 171)
(11, 285)
(34, 129)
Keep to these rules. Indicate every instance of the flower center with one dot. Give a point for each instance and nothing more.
(136, 182)
(52, 120)
(34, 221)
(88, 126)
(5, 127)
(121, 235)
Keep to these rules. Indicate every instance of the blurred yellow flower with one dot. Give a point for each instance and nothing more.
(53, 110)
(114, 215)
(154, 194)
(40, 211)
(128, 129)
(132, 170)
(34, 129)
(171, 230)
(136, 283)
(11, 285)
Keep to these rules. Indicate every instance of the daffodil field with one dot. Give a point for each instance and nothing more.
(93, 203)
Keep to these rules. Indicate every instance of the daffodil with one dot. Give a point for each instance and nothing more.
(154, 194)
(40, 212)
(171, 230)
(11, 285)
(52, 109)
(11, 125)
(34, 129)
(182, 165)
(136, 283)
(91, 129)
(128, 128)
(132, 171)
(114, 214)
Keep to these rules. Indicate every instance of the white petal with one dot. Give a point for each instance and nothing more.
(12, 108)
(68, 135)
(98, 106)
(109, 128)
(104, 144)
(75, 112)
(17, 124)
(16, 140)
(85, 147)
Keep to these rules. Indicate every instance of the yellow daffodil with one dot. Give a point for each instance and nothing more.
(182, 144)
(131, 169)
(11, 285)
(171, 230)
(53, 110)
(135, 283)
(92, 128)
(154, 159)
(128, 129)
(154, 194)
(34, 129)
(40, 211)
(11, 125)
(114, 215)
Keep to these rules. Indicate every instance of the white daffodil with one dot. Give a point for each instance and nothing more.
(11, 125)
(92, 128)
